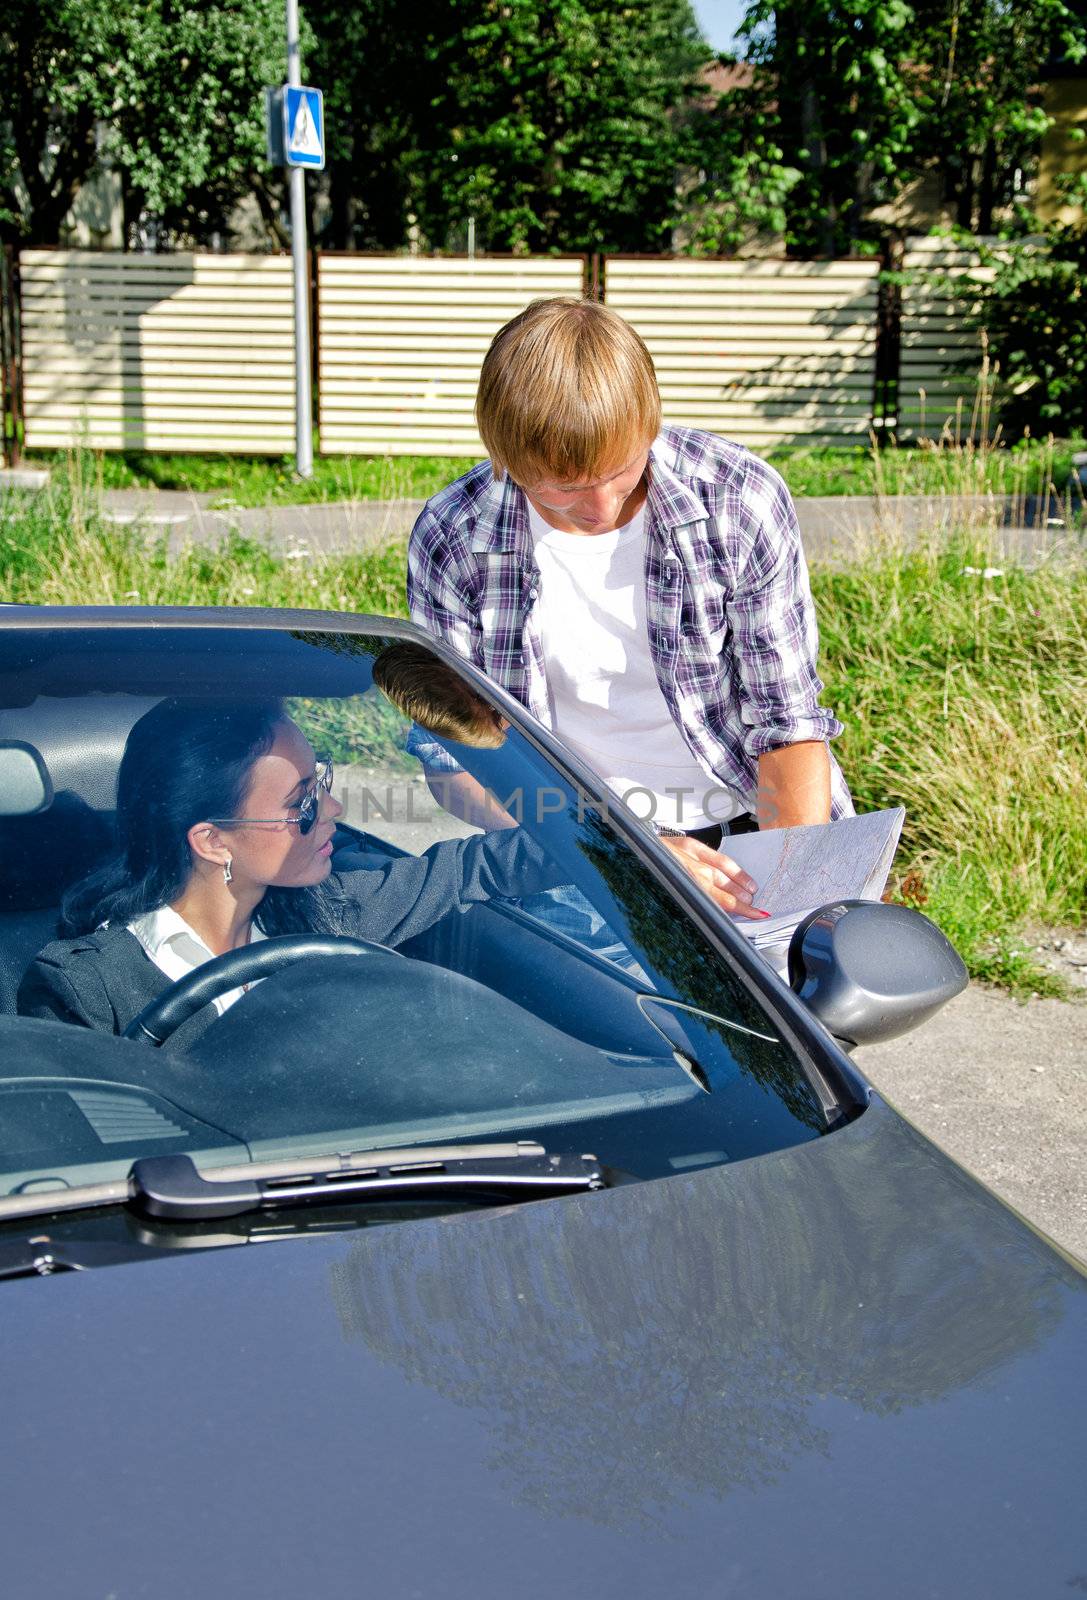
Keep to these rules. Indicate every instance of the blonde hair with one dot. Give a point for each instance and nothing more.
(437, 697)
(567, 392)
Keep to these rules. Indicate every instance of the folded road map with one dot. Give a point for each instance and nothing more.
(799, 869)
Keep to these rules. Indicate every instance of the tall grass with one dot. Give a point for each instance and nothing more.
(953, 464)
(57, 549)
(961, 681)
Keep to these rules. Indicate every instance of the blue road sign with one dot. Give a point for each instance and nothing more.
(303, 127)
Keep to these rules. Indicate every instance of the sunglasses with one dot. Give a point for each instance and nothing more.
(308, 808)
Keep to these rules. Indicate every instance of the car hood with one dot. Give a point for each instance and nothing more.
(844, 1368)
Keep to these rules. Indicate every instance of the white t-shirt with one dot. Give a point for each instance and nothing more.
(606, 702)
(177, 949)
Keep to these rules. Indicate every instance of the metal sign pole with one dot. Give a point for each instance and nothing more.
(303, 399)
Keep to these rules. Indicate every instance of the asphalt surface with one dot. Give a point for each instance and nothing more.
(834, 527)
(1001, 1086)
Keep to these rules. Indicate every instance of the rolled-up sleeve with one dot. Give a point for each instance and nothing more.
(429, 752)
(771, 615)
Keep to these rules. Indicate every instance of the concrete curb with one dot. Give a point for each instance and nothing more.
(25, 479)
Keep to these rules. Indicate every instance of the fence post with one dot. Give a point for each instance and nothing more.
(10, 359)
(885, 399)
(594, 287)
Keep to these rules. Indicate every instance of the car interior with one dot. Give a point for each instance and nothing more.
(77, 746)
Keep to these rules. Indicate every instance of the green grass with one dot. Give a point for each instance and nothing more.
(362, 730)
(1027, 468)
(964, 697)
(55, 549)
(262, 480)
(935, 468)
(965, 700)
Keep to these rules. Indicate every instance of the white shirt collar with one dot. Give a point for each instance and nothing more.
(177, 949)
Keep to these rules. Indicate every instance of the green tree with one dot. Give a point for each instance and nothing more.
(49, 106)
(831, 100)
(976, 78)
(1033, 310)
(553, 122)
(737, 184)
(850, 100)
(377, 87)
(171, 95)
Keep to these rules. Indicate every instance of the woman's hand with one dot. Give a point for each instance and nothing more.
(726, 883)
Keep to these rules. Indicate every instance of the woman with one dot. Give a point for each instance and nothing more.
(225, 821)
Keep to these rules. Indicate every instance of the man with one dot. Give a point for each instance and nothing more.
(642, 590)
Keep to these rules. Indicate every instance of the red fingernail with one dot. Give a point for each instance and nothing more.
(755, 911)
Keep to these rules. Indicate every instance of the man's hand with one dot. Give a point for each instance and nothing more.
(725, 882)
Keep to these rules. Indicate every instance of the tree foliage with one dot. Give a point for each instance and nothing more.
(554, 122)
(736, 184)
(558, 125)
(551, 122)
(829, 86)
(1034, 314)
(53, 89)
(376, 83)
(851, 100)
(168, 94)
(976, 80)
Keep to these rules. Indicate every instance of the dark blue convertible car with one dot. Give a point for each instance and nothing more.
(589, 1264)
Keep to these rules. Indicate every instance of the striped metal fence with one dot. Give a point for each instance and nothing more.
(401, 341)
(944, 391)
(143, 352)
(767, 352)
(194, 352)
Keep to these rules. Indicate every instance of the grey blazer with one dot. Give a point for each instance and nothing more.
(104, 979)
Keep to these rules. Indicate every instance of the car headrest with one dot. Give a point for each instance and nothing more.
(81, 740)
(45, 851)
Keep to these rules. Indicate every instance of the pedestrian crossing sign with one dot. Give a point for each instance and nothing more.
(303, 127)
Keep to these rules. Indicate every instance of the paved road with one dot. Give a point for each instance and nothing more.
(1002, 1087)
(833, 527)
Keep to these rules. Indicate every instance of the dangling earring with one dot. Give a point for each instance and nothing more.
(227, 874)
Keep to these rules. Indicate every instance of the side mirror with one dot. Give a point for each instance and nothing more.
(870, 971)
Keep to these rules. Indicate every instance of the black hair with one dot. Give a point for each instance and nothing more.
(185, 762)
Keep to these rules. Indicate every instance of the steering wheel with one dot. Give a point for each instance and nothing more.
(163, 1015)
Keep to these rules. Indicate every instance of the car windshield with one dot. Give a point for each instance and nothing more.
(523, 973)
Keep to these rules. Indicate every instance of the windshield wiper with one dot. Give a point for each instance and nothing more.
(170, 1186)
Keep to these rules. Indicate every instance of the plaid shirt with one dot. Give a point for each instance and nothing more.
(729, 612)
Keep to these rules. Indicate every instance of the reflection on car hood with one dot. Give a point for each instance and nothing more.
(841, 1369)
